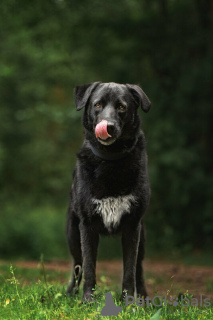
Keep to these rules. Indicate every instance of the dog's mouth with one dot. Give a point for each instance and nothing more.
(107, 142)
(105, 132)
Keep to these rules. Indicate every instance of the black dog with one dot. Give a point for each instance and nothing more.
(110, 190)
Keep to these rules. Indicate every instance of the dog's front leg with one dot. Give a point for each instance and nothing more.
(130, 242)
(89, 245)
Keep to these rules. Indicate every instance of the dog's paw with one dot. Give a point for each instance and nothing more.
(88, 297)
(72, 290)
(142, 294)
(123, 296)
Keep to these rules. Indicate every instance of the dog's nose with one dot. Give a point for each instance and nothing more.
(111, 128)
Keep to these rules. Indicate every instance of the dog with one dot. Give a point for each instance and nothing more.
(110, 190)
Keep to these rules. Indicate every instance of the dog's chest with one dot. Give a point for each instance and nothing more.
(112, 208)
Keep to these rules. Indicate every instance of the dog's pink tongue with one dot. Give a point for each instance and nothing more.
(101, 130)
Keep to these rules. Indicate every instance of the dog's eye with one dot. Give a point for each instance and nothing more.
(97, 105)
(122, 107)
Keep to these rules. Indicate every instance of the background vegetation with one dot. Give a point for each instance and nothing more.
(47, 48)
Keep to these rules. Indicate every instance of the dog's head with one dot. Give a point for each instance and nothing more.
(110, 109)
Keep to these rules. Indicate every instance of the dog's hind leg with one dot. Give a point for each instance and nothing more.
(73, 238)
(140, 285)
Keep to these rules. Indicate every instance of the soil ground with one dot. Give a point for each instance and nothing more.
(160, 276)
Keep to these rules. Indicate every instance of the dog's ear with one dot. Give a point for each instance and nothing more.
(82, 94)
(140, 97)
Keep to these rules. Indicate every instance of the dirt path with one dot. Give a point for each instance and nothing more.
(160, 276)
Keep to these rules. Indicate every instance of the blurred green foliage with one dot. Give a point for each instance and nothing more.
(48, 47)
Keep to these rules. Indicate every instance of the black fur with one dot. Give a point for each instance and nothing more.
(97, 178)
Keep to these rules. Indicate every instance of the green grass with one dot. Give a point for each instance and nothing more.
(41, 294)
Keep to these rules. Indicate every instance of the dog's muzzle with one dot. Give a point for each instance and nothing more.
(105, 132)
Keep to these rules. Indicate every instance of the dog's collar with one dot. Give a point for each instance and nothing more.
(110, 156)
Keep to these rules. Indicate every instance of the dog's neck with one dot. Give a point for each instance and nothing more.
(109, 155)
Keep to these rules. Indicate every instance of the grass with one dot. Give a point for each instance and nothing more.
(41, 294)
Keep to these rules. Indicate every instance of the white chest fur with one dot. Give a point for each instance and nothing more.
(111, 209)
